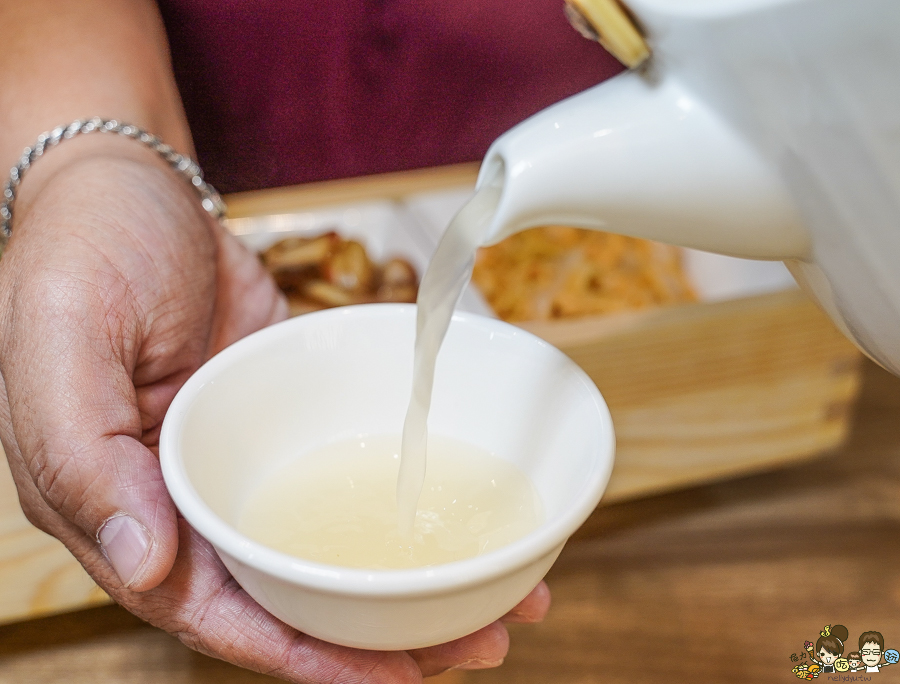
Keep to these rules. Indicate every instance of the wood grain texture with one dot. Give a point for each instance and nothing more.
(704, 391)
(38, 575)
(657, 590)
(614, 29)
(384, 186)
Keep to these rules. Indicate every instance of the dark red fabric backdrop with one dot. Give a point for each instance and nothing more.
(283, 91)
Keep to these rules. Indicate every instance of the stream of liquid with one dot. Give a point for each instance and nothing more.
(446, 277)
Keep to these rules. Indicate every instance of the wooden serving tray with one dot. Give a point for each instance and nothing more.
(698, 392)
(706, 391)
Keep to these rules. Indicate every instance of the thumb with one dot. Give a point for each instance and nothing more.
(113, 491)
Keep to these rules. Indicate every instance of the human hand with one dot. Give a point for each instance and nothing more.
(113, 290)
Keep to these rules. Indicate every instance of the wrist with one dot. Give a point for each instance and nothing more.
(96, 140)
(66, 158)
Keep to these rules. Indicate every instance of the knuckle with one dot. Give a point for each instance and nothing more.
(36, 515)
(204, 628)
(70, 484)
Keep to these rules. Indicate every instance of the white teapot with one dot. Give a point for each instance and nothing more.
(766, 129)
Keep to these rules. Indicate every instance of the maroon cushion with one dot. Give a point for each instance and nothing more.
(279, 92)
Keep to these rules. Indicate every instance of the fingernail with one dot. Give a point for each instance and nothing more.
(125, 543)
(478, 664)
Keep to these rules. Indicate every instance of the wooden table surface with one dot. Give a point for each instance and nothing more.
(721, 583)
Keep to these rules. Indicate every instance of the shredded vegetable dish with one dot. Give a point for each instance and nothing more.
(560, 272)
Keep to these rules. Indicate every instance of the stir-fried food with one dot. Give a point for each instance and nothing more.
(326, 271)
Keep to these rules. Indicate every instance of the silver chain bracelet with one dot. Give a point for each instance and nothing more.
(185, 166)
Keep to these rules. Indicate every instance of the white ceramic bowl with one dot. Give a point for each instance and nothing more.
(331, 375)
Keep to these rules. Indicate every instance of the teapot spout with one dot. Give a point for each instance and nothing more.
(645, 159)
